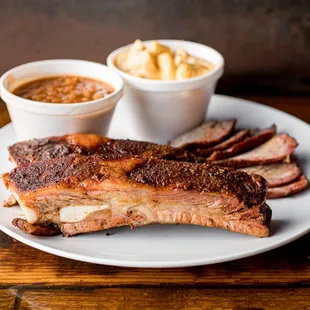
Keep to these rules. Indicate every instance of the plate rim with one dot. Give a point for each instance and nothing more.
(161, 264)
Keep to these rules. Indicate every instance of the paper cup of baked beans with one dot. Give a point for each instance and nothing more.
(168, 86)
(57, 97)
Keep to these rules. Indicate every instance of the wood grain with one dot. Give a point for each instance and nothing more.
(289, 265)
(7, 299)
(166, 298)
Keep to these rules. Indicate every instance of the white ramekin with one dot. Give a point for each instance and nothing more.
(32, 119)
(162, 110)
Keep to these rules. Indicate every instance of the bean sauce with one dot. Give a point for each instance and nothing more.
(64, 89)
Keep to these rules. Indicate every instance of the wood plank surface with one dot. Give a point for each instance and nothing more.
(289, 265)
(7, 298)
(167, 298)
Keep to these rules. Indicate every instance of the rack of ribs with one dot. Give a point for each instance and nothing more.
(80, 194)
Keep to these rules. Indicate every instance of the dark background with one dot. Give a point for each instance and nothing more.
(266, 43)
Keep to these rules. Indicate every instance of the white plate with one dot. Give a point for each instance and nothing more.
(176, 246)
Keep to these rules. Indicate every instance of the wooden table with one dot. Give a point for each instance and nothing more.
(279, 279)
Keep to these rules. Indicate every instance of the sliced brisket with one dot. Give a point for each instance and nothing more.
(237, 137)
(275, 150)
(289, 189)
(245, 145)
(205, 135)
(276, 174)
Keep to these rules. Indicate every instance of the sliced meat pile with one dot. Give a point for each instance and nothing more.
(263, 152)
(136, 191)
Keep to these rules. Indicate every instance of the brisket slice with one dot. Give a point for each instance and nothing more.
(237, 137)
(245, 145)
(140, 191)
(276, 174)
(275, 150)
(207, 134)
(289, 189)
(88, 144)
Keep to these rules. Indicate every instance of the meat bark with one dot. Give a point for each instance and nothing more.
(88, 144)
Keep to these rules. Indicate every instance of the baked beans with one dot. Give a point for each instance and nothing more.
(64, 89)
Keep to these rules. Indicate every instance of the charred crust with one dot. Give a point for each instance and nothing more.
(267, 214)
(36, 175)
(57, 147)
(67, 170)
(137, 148)
(36, 230)
(73, 170)
(26, 152)
(202, 178)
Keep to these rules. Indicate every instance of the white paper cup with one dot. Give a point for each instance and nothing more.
(32, 119)
(162, 110)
